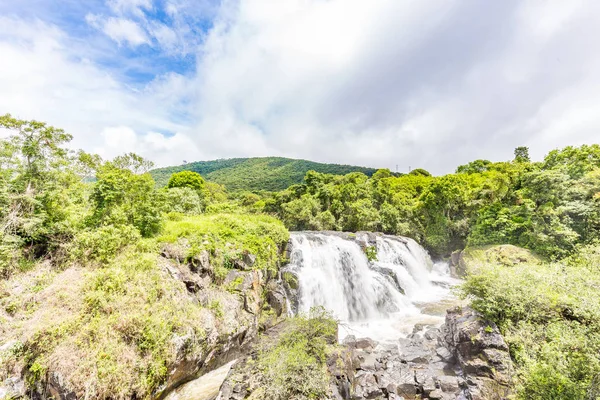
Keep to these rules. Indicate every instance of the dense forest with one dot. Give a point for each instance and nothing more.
(259, 173)
(82, 291)
(550, 207)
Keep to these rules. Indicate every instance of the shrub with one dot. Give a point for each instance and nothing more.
(295, 366)
(182, 200)
(102, 244)
(550, 316)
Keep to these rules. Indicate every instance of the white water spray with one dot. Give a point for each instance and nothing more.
(382, 299)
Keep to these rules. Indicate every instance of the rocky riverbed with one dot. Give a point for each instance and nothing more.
(466, 358)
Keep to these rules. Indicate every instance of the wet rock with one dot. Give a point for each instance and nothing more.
(427, 363)
(365, 344)
(414, 351)
(367, 362)
(429, 385)
(448, 384)
(444, 354)
(406, 385)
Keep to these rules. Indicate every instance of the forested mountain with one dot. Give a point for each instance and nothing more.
(258, 173)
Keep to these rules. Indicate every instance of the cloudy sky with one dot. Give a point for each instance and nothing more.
(379, 83)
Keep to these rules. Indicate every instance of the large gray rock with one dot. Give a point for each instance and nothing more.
(466, 359)
(12, 388)
(481, 354)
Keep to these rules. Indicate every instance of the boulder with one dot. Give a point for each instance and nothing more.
(481, 354)
(12, 388)
(182, 272)
(276, 298)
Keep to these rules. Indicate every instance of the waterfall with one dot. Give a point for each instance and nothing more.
(382, 298)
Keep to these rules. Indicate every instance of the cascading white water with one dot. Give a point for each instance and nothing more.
(382, 299)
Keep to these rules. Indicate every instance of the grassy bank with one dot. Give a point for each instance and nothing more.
(549, 314)
(113, 322)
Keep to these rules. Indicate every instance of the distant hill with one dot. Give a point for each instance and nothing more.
(266, 173)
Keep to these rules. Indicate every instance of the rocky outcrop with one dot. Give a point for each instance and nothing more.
(481, 354)
(238, 301)
(230, 317)
(466, 358)
(12, 385)
(12, 388)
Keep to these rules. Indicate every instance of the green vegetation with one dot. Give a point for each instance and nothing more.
(294, 365)
(371, 253)
(84, 293)
(260, 173)
(228, 237)
(549, 314)
(549, 207)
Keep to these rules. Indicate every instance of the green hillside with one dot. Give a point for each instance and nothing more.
(259, 173)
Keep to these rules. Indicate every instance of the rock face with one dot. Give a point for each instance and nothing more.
(481, 354)
(232, 315)
(12, 388)
(466, 358)
(12, 385)
(240, 301)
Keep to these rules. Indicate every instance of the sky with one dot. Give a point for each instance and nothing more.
(380, 83)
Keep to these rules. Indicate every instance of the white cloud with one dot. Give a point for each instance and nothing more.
(166, 37)
(430, 84)
(161, 149)
(121, 30)
(130, 6)
(427, 84)
(49, 78)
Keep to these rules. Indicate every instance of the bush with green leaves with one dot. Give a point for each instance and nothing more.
(102, 244)
(121, 197)
(227, 237)
(294, 367)
(183, 200)
(188, 179)
(549, 314)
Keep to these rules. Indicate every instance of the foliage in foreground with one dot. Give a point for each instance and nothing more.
(110, 322)
(549, 314)
(294, 367)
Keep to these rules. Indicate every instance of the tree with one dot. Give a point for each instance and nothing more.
(474, 167)
(122, 197)
(382, 173)
(522, 154)
(184, 200)
(189, 179)
(39, 191)
(420, 171)
(36, 149)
